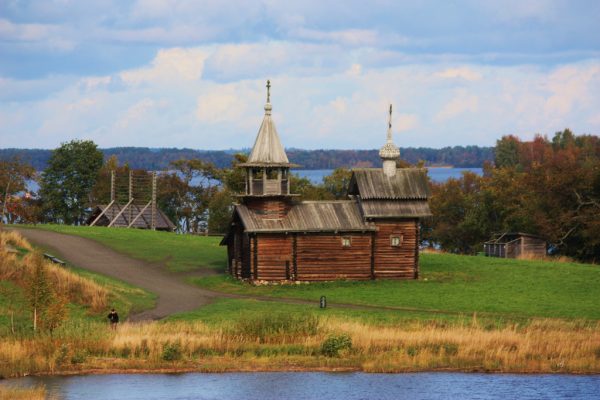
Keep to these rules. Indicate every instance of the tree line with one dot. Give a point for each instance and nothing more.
(548, 187)
(161, 159)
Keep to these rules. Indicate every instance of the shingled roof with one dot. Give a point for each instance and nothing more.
(267, 149)
(406, 184)
(309, 216)
(395, 209)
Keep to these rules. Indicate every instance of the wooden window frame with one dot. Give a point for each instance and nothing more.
(346, 239)
(400, 238)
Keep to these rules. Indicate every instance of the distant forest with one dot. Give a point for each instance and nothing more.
(159, 159)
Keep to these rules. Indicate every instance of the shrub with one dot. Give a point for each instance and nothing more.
(172, 351)
(274, 326)
(412, 351)
(79, 357)
(63, 352)
(451, 349)
(597, 353)
(332, 346)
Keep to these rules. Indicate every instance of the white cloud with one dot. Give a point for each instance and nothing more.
(405, 122)
(169, 66)
(466, 73)
(172, 101)
(45, 35)
(462, 102)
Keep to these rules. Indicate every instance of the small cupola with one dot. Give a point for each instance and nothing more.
(389, 153)
(267, 168)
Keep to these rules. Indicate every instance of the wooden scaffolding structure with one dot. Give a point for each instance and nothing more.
(132, 204)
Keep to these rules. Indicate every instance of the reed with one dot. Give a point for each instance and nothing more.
(19, 393)
(546, 346)
(13, 239)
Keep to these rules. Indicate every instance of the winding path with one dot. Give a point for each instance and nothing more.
(174, 294)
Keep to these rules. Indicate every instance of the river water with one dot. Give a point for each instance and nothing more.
(318, 386)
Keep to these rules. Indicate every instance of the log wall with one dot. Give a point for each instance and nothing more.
(396, 262)
(321, 257)
(271, 208)
(274, 258)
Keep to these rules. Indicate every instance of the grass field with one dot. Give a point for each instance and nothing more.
(441, 332)
(459, 284)
(177, 252)
(449, 284)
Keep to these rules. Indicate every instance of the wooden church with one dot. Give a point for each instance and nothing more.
(373, 234)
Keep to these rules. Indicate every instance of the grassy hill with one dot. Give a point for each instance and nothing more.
(427, 325)
(176, 252)
(449, 284)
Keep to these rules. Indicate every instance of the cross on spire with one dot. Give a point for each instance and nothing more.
(268, 91)
(389, 132)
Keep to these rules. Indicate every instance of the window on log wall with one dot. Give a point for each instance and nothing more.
(396, 240)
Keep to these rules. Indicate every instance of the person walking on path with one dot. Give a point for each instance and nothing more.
(113, 317)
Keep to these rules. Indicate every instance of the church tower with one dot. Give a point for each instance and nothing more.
(267, 188)
(389, 153)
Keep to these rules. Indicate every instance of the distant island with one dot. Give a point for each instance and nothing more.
(160, 158)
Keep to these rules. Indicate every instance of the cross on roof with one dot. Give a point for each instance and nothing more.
(268, 91)
(389, 132)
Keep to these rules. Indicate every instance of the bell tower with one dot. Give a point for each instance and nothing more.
(267, 189)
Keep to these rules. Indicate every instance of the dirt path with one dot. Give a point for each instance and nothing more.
(174, 295)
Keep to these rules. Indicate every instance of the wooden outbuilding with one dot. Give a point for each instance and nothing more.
(516, 245)
(373, 234)
(130, 216)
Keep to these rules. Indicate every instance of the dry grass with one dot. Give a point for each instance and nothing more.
(13, 239)
(77, 289)
(18, 393)
(546, 346)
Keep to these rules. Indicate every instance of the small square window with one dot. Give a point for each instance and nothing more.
(346, 242)
(396, 241)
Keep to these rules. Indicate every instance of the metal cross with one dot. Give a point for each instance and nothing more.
(268, 91)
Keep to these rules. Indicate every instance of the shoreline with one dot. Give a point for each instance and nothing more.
(184, 370)
(233, 365)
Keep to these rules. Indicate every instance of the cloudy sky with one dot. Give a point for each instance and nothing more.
(182, 73)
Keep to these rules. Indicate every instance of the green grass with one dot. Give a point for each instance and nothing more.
(177, 252)
(125, 298)
(449, 284)
(458, 284)
(12, 301)
(232, 310)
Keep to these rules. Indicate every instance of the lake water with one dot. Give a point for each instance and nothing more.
(436, 174)
(316, 175)
(318, 385)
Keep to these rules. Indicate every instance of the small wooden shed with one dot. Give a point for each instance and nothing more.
(515, 245)
(131, 216)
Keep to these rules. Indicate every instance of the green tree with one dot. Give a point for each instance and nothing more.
(38, 290)
(507, 152)
(234, 178)
(337, 183)
(67, 183)
(219, 211)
